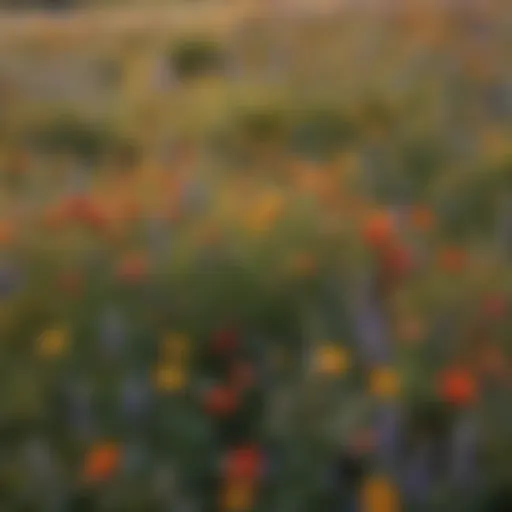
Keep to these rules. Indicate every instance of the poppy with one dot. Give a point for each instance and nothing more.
(458, 387)
(378, 229)
(101, 462)
(244, 463)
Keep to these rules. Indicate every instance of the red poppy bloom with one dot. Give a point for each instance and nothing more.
(378, 229)
(101, 462)
(458, 387)
(244, 463)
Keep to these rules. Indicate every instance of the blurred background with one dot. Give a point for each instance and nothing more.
(255, 256)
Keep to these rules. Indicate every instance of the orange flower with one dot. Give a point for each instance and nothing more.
(237, 496)
(331, 359)
(378, 229)
(378, 494)
(384, 382)
(101, 462)
(458, 386)
(452, 259)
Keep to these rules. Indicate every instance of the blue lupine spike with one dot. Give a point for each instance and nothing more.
(388, 424)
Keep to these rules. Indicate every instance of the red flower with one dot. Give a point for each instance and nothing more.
(244, 463)
(220, 401)
(458, 387)
(378, 229)
(101, 462)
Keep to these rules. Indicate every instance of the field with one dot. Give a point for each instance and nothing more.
(256, 258)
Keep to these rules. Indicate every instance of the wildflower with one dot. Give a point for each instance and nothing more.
(53, 342)
(378, 229)
(101, 461)
(457, 386)
(237, 496)
(384, 382)
(169, 378)
(379, 494)
(244, 463)
(331, 360)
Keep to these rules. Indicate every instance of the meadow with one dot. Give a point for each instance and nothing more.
(256, 261)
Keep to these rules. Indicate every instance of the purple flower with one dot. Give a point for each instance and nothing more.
(388, 426)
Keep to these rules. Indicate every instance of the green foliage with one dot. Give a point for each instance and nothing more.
(71, 134)
(195, 57)
(321, 130)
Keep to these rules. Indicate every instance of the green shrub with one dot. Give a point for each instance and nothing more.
(71, 134)
(194, 57)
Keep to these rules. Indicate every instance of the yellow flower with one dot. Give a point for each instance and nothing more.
(237, 496)
(176, 346)
(331, 360)
(169, 378)
(53, 342)
(384, 382)
(378, 494)
(265, 211)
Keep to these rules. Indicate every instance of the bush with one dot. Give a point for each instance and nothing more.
(320, 131)
(71, 134)
(195, 57)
